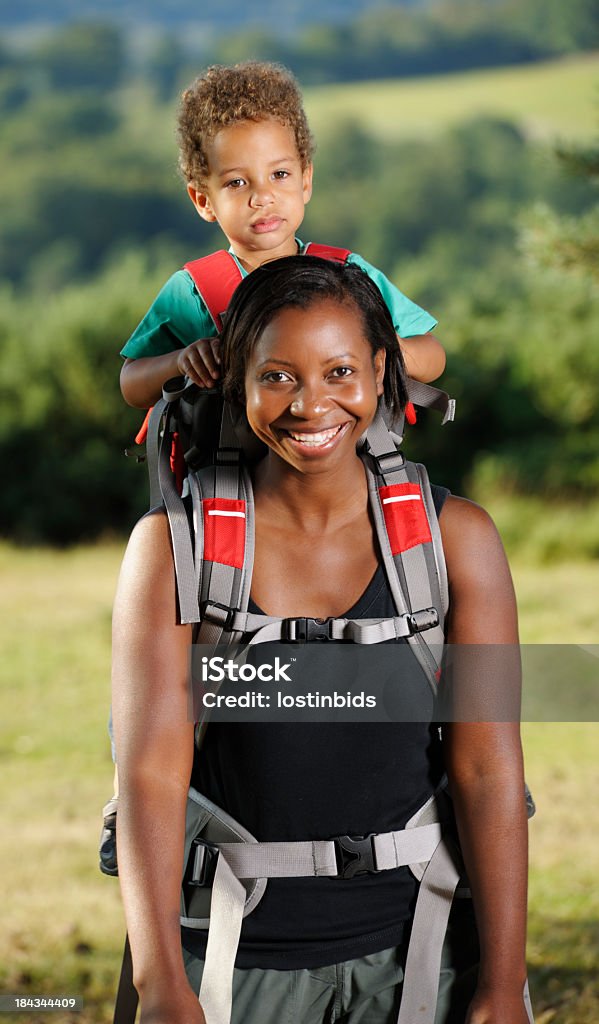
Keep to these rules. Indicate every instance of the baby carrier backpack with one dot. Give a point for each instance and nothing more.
(192, 436)
(212, 531)
(216, 277)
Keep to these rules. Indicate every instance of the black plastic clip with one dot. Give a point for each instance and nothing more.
(355, 856)
(220, 614)
(228, 456)
(389, 462)
(304, 631)
(202, 862)
(139, 456)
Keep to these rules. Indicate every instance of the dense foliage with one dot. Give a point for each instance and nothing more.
(338, 40)
(427, 39)
(494, 234)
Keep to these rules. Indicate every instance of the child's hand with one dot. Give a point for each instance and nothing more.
(200, 361)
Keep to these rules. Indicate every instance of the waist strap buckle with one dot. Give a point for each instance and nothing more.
(355, 855)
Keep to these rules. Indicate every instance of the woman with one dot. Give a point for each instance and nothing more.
(309, 350)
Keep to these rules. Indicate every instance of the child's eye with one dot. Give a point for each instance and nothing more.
(280, 175)
(235, 183)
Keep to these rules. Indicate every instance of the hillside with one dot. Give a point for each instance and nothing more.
(551, 100)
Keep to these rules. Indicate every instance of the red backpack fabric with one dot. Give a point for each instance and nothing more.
(216, 276)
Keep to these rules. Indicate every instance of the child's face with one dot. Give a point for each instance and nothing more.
(256, 189)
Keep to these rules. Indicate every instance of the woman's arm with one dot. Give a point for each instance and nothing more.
(154, 741)
(484, 758)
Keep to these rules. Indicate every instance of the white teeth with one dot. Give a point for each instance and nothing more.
(314, 440)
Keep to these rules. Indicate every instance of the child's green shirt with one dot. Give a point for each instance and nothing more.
(179, 316)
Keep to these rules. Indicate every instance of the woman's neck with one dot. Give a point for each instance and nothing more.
(315, 548)
(311, 502)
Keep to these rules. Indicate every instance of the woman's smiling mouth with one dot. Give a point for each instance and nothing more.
(316, 439)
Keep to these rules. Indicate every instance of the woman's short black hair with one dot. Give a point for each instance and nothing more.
(300, 281)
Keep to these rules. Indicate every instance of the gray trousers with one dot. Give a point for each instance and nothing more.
(363, 991)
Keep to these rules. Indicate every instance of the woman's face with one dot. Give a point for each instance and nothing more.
(312, 385)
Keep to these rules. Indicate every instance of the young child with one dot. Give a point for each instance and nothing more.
(246, 156)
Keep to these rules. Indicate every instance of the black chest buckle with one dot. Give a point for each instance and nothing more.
(305, 631)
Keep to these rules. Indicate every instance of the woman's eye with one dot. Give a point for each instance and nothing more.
(342, 371)
(275, 377)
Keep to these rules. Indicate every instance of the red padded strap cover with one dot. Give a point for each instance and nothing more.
(224, 531)
(405, 516)
(216, 277)
(327, 252)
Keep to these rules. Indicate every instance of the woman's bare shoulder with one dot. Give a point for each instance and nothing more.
(147, 577)
(482, 600)
(467, 529)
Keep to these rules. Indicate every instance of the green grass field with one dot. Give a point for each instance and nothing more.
(551, 100)
(62, 921)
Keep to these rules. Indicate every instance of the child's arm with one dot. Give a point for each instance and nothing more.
(423, 354)
(424, 357)
(142, 379)
(164, 344)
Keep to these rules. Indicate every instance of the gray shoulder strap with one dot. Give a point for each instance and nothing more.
(163, 491)
(153, 437)
(429, 397)
(438, 552)
(426, 397)
(223, 513)
(211, 580)
(409, 539)
(181, 537)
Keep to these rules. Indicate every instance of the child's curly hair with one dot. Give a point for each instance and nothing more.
(252, 91)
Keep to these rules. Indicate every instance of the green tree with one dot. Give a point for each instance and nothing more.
(566, 243)
(63, 423)
(83, 55)
(164, 66)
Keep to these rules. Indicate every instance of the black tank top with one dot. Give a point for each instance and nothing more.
(317, 781)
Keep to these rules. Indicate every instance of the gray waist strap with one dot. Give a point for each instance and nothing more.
(285, 860)
(279, 860)
(319, 858)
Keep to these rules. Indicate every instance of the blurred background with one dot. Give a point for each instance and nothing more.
(458, 150)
